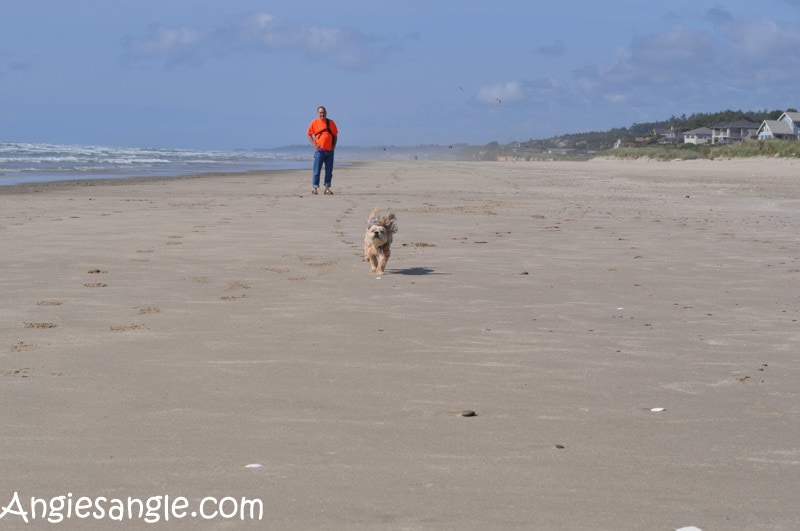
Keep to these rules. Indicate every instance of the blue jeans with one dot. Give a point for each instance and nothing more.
(320, 158)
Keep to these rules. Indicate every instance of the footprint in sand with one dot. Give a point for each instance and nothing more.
(22, 373)
(49, 303)
(276, 269)
(125, 328)
(749, 380)
(96, 285)
(149, 309)
(325, 264)
(235, 286)
(22, 347)
(310, 261)
(40, 325)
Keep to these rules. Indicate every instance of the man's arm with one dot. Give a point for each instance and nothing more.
(334, 133)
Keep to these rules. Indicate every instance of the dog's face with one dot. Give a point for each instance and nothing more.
(377, 234)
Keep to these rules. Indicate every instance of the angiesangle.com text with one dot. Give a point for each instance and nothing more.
(151, 510)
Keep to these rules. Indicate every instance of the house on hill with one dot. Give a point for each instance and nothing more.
(786, 127)
(668, 136)
(775, 129)
(731, 132)
(701, 135)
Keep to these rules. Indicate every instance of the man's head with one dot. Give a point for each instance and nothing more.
(322, 112)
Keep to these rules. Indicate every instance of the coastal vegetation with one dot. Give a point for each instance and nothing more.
(644, 140)
(748, 148)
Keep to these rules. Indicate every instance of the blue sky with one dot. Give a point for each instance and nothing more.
(249, 74)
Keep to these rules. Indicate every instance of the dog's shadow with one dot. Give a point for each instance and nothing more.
(417, 271)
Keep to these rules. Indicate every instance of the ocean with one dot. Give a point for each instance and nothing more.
(22, 162)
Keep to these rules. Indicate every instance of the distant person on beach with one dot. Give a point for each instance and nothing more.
(322, 133)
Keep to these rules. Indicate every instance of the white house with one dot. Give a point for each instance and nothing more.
(701, 135)
(775, 129)
(787, 127)
(668, 136)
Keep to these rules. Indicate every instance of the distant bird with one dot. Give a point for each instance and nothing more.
(498, 100)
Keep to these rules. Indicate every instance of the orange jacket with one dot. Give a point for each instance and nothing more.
(324, 134)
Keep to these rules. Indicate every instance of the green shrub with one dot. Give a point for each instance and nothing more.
(747, 149)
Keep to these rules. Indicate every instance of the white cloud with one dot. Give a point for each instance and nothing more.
(263, 33)
(501, 92)
(616, 98)
(704, 64)
(541, 88)
(693, 62)
(679, 46)
(761, 41)
(175, 45)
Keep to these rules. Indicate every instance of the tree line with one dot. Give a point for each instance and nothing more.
(602, 140)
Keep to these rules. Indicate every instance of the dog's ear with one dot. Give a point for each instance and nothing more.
(390, 222)
(373, 215)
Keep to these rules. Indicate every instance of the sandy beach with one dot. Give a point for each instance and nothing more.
(627, 333)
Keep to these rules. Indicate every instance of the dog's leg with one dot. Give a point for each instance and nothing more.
(369, 256)
(372, 258)
(384, 257)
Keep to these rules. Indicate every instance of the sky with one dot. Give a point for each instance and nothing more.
(250, 73)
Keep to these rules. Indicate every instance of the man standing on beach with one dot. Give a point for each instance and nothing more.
(322, 133)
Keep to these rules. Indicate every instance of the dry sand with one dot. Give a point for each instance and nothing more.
(158, 336)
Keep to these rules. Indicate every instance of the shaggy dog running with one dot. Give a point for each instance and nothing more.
(378, 239)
